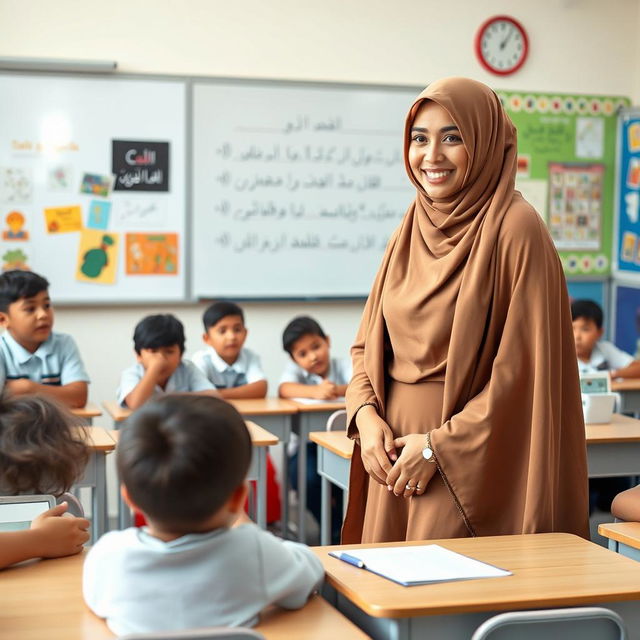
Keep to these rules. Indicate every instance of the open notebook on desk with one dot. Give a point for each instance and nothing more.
(414, 565)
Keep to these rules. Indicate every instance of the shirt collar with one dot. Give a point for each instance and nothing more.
(22, 355)
(221, 365)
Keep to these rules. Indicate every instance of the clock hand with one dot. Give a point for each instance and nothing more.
(503, 44)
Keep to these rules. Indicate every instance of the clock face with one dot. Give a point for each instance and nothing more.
(502, 45)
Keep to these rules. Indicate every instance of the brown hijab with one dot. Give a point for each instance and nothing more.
(481, 264)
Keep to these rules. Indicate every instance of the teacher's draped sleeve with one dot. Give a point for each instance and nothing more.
(512, 447)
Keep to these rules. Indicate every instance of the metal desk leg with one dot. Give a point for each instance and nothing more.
(325, 525)
(125, 517)
(261, 488)
(302, 476)
(99, 497)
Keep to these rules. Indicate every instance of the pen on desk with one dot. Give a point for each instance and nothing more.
(356, 562)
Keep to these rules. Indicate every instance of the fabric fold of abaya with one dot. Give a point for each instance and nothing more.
(471, 292)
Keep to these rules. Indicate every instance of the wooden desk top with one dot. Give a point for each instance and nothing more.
(335, 441)
(625, 384)
(44, 600)
(264, 406)
(626, 532)
(549, 570)
(259, 437)
(89, 410)
(620, 429)
(117, 412)
(317, 406)
(99, 439)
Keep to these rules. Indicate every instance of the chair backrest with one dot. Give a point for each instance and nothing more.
(337, 421)
(581, 623)
(75, 506)
(210, 633)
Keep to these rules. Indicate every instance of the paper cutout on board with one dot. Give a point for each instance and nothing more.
(96, 184)
(16, 184)
(590, 138)
(535, 192)
(97, 257)
(15, 221)
(629, 240)
(140, 165)
(15, 259)
(63, 219)
(633, 173)
(60, 177)
(99, 212)
(633, 137)
(632, 206)
(151, 254)
(523, 166)
(139, 213)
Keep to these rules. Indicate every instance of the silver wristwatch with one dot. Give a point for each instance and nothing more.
(428, 453)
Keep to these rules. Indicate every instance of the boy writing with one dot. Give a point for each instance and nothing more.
(234, 370)
(313, 373)
(158, 341)
(593, 353)
(182, 462)
(34, 359)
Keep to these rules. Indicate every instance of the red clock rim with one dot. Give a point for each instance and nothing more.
(478, 46)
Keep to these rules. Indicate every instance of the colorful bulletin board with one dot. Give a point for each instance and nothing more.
(627, 319)
(92, 185)
(628, 196)
(566, 169)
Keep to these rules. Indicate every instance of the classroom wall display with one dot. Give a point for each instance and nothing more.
(627, 319)
(87, 164)
(627, 237)
(589, 290)
(566, 169)
(296, 187)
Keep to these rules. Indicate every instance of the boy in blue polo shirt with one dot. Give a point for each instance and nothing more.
(34, 359)
(158, 341)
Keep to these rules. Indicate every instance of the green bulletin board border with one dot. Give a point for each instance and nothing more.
(547, 126)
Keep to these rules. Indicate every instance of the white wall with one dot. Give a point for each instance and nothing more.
(576, 45)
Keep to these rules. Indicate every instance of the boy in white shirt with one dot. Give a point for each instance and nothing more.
(235, 371)
(183, 462)
(313, 373)
(158, 341)
(593, 353)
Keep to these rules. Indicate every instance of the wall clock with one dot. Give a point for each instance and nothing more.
(502, 45)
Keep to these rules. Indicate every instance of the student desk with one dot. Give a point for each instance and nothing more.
(44, 600)
(612, 450)
(87, 413)
(95, 476)
(277, 416)
(624, 538)
(334, 459)
(629, 390)
(549, 570)
(261, 439)
(312, 416)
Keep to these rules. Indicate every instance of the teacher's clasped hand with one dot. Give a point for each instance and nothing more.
(465, 398)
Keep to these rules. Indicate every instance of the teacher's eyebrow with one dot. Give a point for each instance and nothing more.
(446, 129)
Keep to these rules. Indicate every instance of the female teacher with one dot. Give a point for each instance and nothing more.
(465, 397)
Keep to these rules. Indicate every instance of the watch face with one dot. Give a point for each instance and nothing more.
(427, 453)
(502, 45)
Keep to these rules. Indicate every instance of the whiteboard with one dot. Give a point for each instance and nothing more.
(56, 128)
(296, 188)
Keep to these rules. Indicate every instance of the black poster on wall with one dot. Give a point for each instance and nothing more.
(140, 166)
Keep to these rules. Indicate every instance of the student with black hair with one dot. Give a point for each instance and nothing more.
(34, 358)
(593, 353)
(158, 341)
(233, 369)
(183, 464)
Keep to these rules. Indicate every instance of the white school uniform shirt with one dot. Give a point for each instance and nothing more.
(340, 370)
(604, 357)
(141, 584)
(56, 362)
(186, 377)
(245, 370)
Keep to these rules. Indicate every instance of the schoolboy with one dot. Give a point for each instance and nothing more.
(235, 371)
(33, 358)
(593, 353)
(313, 373)
(183, 462)
(158, 341)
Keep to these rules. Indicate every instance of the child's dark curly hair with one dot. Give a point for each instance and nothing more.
(42, 447)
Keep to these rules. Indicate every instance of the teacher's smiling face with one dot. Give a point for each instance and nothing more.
(437, 155)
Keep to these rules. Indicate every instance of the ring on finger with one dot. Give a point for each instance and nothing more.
(409, 487)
